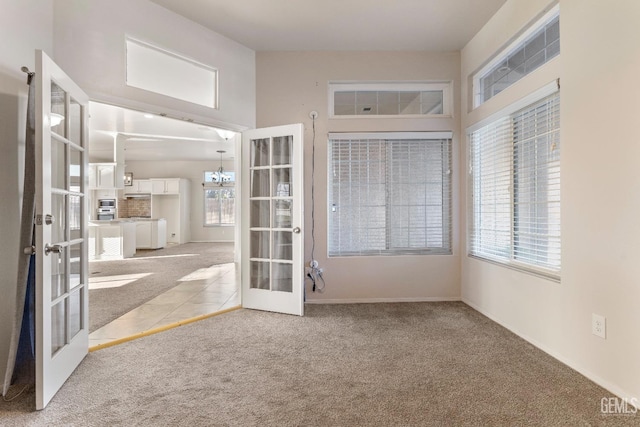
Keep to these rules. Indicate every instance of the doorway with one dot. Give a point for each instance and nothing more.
(191, 270)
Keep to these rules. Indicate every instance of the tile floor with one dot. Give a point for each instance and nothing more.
(204, 291)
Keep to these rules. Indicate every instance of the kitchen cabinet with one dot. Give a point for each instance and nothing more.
(174, 206)
(111, 239)
(151, 233)
(138, 186)
(102, 175)
(165, 186)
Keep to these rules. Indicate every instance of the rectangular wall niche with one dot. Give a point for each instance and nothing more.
(156, 70)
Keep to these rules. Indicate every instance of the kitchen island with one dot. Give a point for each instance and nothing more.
(114, 239)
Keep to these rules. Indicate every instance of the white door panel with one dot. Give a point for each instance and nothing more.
(62, 338)
(272, 219)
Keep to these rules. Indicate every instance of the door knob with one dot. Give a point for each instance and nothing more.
(49, 219)
(297, 230)
(56, 249)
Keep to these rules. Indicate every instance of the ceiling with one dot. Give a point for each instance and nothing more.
(151, 137)
(273, 25)
(270, 25)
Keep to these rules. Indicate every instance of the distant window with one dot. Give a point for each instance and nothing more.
(389, 99)
(219, 198)
(157, 70)
(537, 46)
(389, 194)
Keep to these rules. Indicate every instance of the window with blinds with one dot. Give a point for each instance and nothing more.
(515, 182)
(389, 195)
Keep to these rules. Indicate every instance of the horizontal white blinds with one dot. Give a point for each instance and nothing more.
(515, 175)
(389, 196)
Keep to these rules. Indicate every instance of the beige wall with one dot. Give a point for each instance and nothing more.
(25, 25)
(289, 86)
(600, 105)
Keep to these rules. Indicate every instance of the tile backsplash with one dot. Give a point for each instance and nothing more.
(134, 207)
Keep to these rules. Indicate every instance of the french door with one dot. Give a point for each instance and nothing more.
(272, 219)
(62, 338)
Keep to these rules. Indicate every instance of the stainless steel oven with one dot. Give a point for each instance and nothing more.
(106, 209)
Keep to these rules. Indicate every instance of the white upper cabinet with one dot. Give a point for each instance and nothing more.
(165, 186)
(103, 175)
(138, 186)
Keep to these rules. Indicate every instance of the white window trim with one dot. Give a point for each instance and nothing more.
(513, 264)
(509, 49)
(444, 86)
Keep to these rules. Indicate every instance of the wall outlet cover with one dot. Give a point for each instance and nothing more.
(599, 325)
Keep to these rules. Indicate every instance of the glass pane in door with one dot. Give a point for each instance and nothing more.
(282, 147)
(75, 122)
(259, 275)
(282, 277)
(260, 183)
(58, 327)
(58, 111)
(75, 313)
(58, 164)
(260, 152)
(58, 274)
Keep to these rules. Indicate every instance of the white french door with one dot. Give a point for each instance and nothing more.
(62, 338)
(272, 219)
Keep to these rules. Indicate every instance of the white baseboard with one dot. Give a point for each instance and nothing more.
(614, 389)
(380, 300)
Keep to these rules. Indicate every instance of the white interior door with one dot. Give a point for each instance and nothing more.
(272, 219)
(62, 338)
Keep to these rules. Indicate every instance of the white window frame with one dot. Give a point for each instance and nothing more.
(509, 260)
(212, 185)
(435, 86)
(508, 50)
(391, 137)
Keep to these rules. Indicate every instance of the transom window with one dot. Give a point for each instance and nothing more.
(389, 99)
(389, 194)
(537, 46)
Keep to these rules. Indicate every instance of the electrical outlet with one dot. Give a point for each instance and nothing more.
(599, 325)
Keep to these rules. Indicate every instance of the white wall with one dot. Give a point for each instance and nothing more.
(193, 171)
(25, 25)
(600, 105)
(289, 86)
(90, 46)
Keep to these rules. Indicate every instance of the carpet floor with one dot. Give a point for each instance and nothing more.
(408, 364)
(164, 267)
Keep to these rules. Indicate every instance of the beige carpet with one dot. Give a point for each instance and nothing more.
(165, 266)
(410, 364)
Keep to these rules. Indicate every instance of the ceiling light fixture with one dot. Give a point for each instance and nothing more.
(225, 134)
(219, 176)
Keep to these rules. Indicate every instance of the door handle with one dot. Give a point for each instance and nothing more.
(56, 249)
(297, 230)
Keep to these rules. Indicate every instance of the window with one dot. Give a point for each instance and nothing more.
(515, 182)
(535, 47)
(390, 194)
(219, 198)
(390, 99)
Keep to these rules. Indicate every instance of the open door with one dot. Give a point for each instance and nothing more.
(62, 338)
(272, 219)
